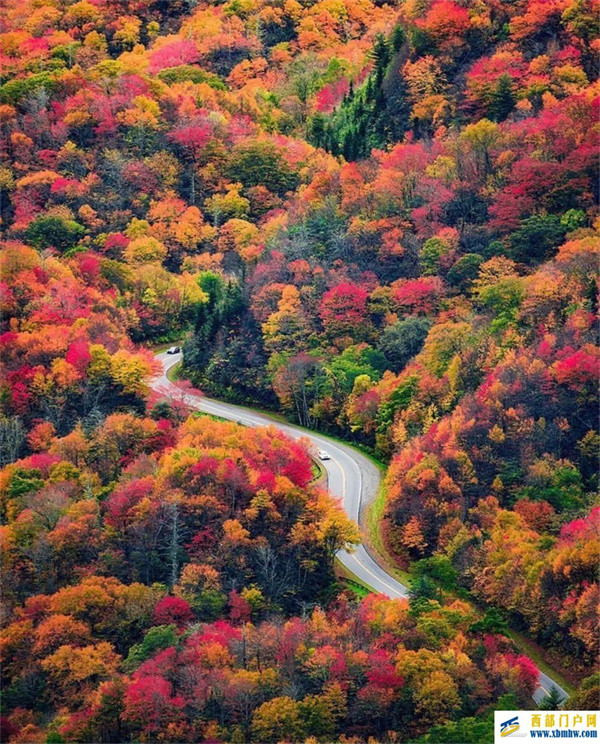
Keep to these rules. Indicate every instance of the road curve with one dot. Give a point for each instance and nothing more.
(352, 477)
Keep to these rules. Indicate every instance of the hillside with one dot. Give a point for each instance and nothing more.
(379, 219)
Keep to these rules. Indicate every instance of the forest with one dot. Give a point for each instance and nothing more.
(377, 219)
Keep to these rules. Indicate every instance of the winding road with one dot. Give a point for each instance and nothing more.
(352, 478)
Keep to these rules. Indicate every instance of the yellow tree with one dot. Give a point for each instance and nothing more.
(287, 328)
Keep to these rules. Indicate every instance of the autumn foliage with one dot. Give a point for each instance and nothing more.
(380, 219)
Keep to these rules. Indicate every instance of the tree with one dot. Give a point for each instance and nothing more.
(156, 639)
(145, 249)
(482, 137)
(59, 630)
(586, 694)
(336, 532)
(553, 700)
(404, 340)
(173, 610)
(76, 671)
(12, 438)
(446, 24)
(297, 383)
(498, 287)
(286, 329)
(261, 163)
(230, 205)
(151, 706)
(464, 271)
(278, 719)
(465, 731)
(502, 99)
(536, 238)
(320, 713)
(54, 232)
(412, 537)
(492, 622)
(418, 295)
(344, 312)
(439, 568)
(437, 698)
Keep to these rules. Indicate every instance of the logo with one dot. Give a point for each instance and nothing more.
(509, 727)
(519, 726)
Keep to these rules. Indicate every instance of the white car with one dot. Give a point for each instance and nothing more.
(323, 455)
(174, 350)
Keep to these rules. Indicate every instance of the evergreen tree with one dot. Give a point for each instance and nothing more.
(502, 99)
(381, 57)
(553, 701)
(317, 131)
(375, 114)
(398, 38)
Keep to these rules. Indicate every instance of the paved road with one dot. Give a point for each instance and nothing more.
(352, 477)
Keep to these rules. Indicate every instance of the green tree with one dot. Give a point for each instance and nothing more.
(224, 303)
(398, 38)
(492, 622)
(553, 700)
(536, 238)
(423, 588)
(398, 400)
(403, 340)
(464, 271)
(54, 232)
(262, 164)
(156, 639)
(465, 731)
(502, 99)
(439, 568)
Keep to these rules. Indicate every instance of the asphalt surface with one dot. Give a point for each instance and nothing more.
(352, 478)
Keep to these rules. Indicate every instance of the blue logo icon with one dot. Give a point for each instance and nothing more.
(509, 727)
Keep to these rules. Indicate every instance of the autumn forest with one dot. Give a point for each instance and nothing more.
(374, 220)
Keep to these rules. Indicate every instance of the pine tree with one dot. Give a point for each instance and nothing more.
(398, 38)
(317, 130)
(553, 700)
(381, 57)
(503, 99)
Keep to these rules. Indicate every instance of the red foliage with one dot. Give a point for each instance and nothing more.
(194, 138)
(220, 632)
(528, 671)
(180, 52)
(584, 528)
(344, 309)
(89, 266)
(115, 244)
(78, 354)
(331, 95)
(173, 610)
(382, 670)
(149, 702)
(446, 22)
(124, 498)
(165, 437)
(138, 176)
(578, 367)
(537, 514)
(240, 610)
(41, 461)
(418, 294)
(412, 157)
